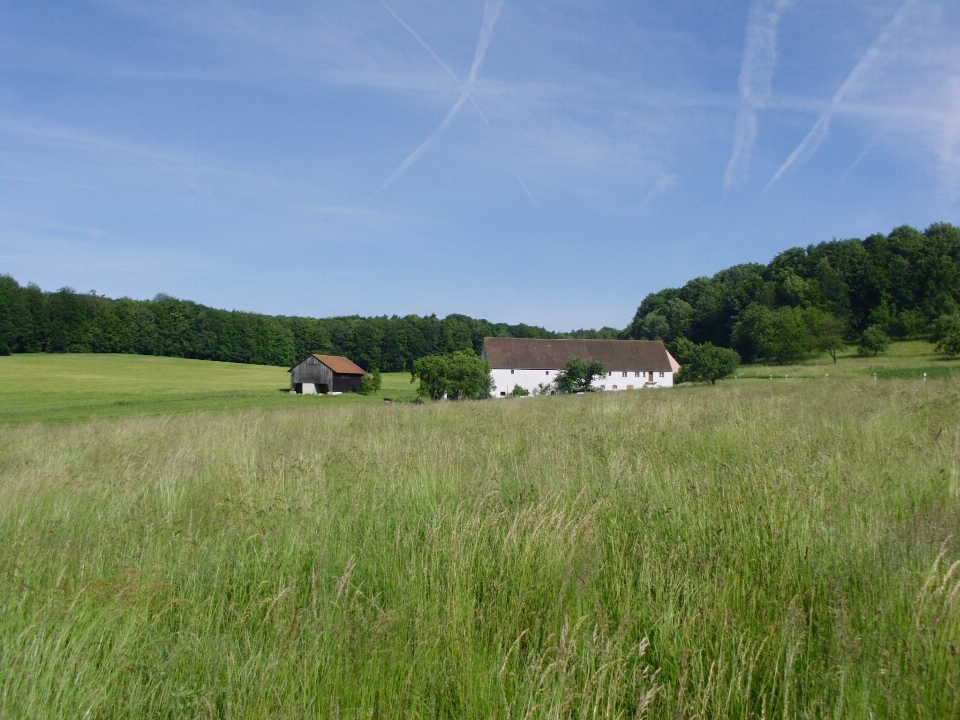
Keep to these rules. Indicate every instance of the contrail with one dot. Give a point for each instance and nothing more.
(524, 185)
(415, 155)
(818, 132)
(422, 42)
(863, 153)
(756, 74)
(440, 62)
(490, 13)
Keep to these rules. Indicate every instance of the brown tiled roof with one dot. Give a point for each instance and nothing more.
(634, 355)
(340, 365)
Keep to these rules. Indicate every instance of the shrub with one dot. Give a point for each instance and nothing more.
(546, 388)
(519, 391)
(370, 383)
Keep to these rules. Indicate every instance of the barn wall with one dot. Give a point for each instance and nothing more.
(346, 383)
(313, 371)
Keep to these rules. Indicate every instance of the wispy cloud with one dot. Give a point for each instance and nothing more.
(877, 53)
(490, 13)
(663, 183)
(756, 75)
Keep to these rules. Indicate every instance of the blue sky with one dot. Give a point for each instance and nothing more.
(540, 162)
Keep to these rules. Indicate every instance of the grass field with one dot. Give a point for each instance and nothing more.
(68, 388)
(904, 361)
(74, 387)
(753, 549)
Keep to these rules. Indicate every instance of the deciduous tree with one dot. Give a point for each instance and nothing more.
(578, 375)
(456, 376)
(873, 341)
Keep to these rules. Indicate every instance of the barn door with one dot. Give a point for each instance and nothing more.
(650, 377)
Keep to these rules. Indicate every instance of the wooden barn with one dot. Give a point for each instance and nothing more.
(325, 374)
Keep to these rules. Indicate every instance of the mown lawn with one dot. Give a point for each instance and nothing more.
(750, 550)
(70, 388)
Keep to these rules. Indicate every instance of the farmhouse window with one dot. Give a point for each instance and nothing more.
(661, 374)
(511, 372)
(603, 387)
(624, 374)
(636, 374)
(614, 387)
(502, 394)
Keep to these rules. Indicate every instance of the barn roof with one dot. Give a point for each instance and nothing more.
(635, 355)
(340, 365)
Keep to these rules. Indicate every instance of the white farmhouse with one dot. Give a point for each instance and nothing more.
(630, 364)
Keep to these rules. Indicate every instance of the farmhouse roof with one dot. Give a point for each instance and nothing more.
(340, 365)
(634, 355)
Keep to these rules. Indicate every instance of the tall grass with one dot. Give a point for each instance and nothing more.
(750, 550)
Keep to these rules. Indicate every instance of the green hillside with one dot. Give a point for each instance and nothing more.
(74, 387)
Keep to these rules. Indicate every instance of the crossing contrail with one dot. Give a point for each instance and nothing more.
(490, 13)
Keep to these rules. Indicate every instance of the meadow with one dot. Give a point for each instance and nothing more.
(754, 549)
(74, 387)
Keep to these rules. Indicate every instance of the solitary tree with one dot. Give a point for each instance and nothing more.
(458, 376)
(873, 341)
(827, 331)
(706, 362)
(578, 375)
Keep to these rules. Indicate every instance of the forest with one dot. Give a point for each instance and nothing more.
(32, 320)
(901, 282)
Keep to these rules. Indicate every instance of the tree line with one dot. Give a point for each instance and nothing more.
(32, 320)
(905, 285)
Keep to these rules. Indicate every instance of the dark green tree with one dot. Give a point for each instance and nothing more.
(779, 336)
(947, 334)
(519, 391)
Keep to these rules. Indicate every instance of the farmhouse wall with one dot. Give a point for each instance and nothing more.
(528, 362)
(505, 379)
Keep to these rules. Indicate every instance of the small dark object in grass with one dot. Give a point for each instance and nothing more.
(388, 401)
